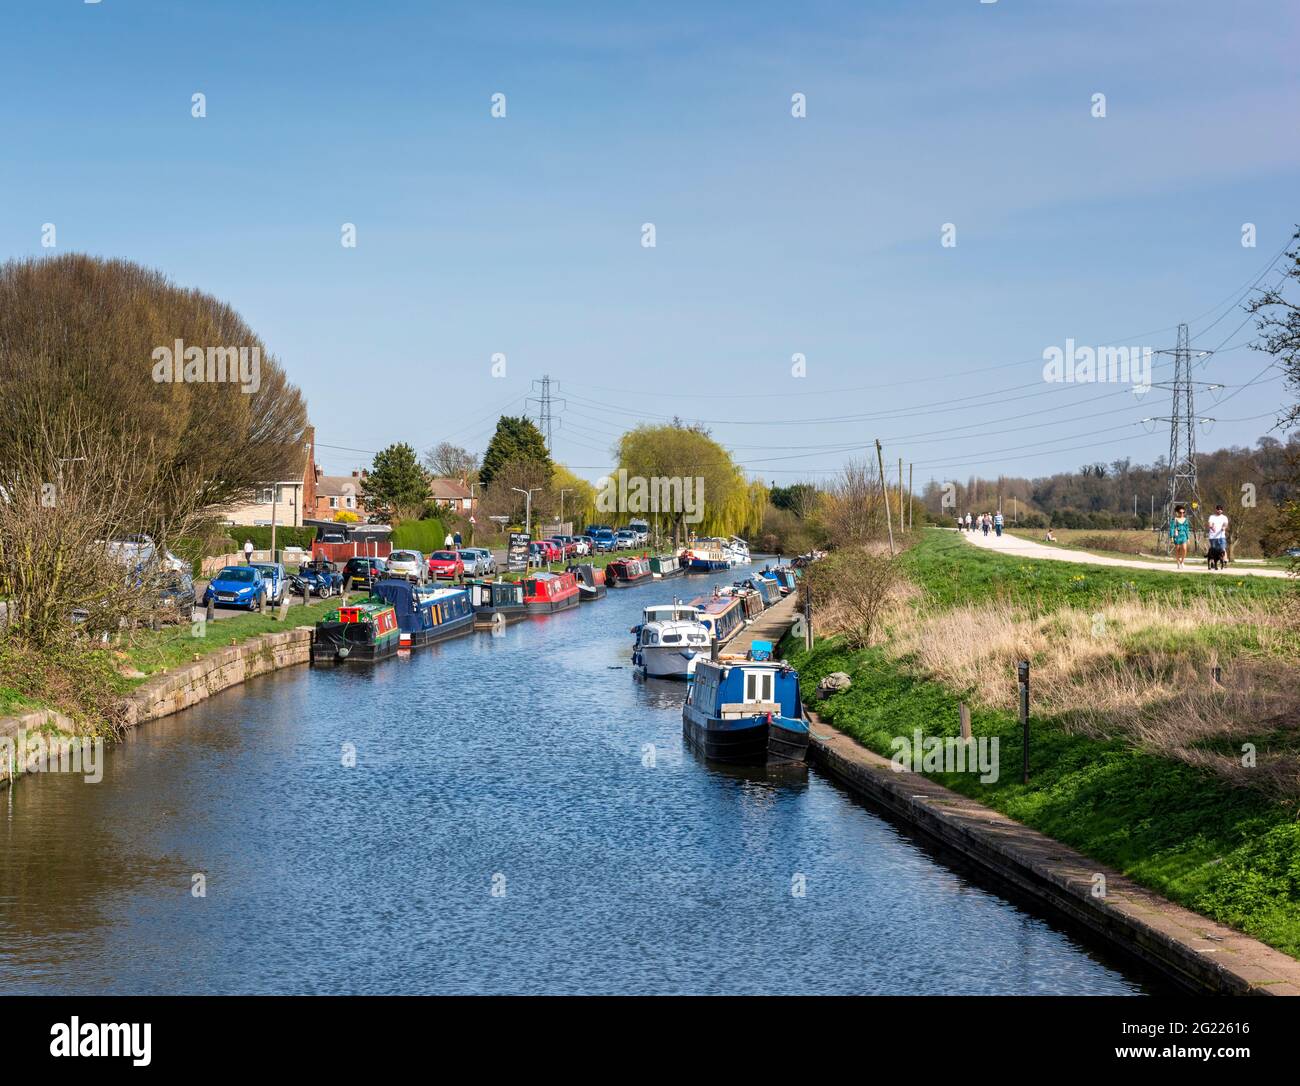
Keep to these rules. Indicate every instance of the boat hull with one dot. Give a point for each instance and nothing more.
(628, 582)
(331, 645)
(454, 628)
(549, 607)
(665, 662)
(748, 740)
(487, 617)
(708, 565)
(591, 593)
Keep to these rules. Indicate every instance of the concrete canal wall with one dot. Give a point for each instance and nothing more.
(184, 686)
(1192, 949)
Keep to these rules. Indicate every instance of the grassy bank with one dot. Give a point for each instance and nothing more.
(1135, 752)
(87, 681)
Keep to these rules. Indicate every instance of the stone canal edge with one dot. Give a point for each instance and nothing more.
(1194, 950)
(178, 689)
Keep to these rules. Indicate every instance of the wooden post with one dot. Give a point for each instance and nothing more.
(807, 620)
(963, 712)
(909, 497)
(210, 613)
(284, 608)
(1022, 670)
(900, 495)
(262, 604)
(884, 490)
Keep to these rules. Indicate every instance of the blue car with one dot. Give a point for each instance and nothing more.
(604, 539)
(236, 586)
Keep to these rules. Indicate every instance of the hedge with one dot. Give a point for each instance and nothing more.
(424, 536)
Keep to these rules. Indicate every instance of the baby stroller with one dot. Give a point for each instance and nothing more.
(1216, 557)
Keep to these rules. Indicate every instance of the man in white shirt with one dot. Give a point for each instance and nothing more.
(1217, 524)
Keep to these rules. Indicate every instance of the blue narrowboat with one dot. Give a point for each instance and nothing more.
(784, 577)
(767, 589)
(426, 614)
(746, 712)
(722, 615)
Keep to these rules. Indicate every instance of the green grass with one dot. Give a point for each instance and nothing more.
(954, 572)
(1228, 853)
(1232, 854)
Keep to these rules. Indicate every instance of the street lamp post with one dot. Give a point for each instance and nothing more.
(566, 490)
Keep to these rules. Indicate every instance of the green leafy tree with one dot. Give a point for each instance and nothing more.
(515, 439)
(396, 481)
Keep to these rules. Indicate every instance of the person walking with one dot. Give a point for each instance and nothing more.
(984, 523)
(1180, 530)
(449, 542)
(1217, 524)
(248, 551)
(998, 523)
(457, 540)
(969, 522)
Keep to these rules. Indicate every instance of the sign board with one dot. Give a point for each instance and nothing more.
(517, 556)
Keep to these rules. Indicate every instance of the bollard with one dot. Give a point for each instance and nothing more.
(211, 611)
(284, 609)
(262, 604)
(1022, 671)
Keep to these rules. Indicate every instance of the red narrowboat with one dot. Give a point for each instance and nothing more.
(548, 592)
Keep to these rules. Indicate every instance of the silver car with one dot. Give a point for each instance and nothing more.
(410, 565)
(478, 561)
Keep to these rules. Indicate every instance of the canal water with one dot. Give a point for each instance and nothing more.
(521, 818)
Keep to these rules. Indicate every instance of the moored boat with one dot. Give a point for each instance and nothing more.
(546, 593)
(669, 640)
(363, 632)
(723, 615)
(666, 565)
(706, 556)
(746, 711)
(590, 586)
(425, 614)
(784, 577)
(737, 551)
(627, 571)
(496, 603)
(768, 589)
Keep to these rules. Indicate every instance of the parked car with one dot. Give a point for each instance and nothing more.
(625, 539)
(642, 529)
(363, 572)
(236, 586)
(274, 576)
(581, 544)
(604, 540)
(567, 548)
(485, 561)
(408, 565)
(319, 576)
(176, 597)
(446, 565)
(544, 551)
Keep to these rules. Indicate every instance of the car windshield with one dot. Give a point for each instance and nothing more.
(402, 556)
(444, 556)
(241, 575)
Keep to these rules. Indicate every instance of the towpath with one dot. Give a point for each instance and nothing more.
(1027, 548)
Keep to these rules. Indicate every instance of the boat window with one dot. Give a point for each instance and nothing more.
(672, 638)
(758, 686)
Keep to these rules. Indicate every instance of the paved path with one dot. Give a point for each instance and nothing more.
(1027, 548)
(771, 626)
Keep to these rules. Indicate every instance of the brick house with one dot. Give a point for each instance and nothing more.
(455, 494)
(336, 493)
(283, 501)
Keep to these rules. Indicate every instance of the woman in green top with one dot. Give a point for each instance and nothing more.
(1180, 529)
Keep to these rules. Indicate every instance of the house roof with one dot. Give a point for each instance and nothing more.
(332, 486)
(442, 489)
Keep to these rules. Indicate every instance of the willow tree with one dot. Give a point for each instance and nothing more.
(678, 476)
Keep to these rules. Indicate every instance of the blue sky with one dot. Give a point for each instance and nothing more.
(775, 235)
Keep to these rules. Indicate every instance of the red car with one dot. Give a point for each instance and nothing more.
(568, 549)
(446, 565)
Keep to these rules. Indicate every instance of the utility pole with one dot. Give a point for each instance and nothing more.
(900, 495)
(884, 490)
(909, 497)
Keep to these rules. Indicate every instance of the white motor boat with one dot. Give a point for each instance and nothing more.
(669, 641)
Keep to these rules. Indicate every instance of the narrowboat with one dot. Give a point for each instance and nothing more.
(767, 589)
(425, 614)
(666, 565)
(750, 600)
(723, 615)
(590, 586)
(627, 571)
(669, 641)
(545, 593)
(746, 711)
(364, 632)
(706, 556)
(784, 577)
(497, 603)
